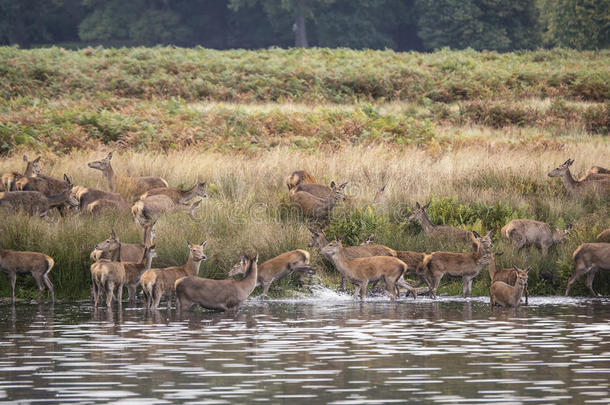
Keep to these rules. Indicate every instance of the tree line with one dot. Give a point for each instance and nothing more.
(402, 25)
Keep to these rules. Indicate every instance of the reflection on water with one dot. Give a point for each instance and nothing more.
(325, 349)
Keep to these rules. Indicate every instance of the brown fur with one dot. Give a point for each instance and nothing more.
(13, 262)
(277, 268)
(506, 275)
(509, 295)
(299, 177)
(150, 209)
(218, 295)
(177, 195)
(315, 207)
(157, 282)
(439, 231)
(98, 207)
(32, 169)
(465, 265)
(604, 236)
(44, 184)
(86, 196)
(35, 202)
(319, 239)
(134, 186)
(526, 232)
(588, 258)
(133, 271)
(578, 188)
(361, 271)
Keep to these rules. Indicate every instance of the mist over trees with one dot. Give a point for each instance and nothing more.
(423, 25)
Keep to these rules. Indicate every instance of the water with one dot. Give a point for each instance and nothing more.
(321, 349)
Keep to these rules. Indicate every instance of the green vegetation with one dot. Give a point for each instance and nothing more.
(475, 133)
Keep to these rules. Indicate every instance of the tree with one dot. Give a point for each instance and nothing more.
(500, 25)
(580, 24)
(300, 10)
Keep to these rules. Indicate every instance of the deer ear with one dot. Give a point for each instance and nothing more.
(499, 253)
(109, 157)
(25, 158)
(205, 242)
(515, 268)
(417, 206)
(476, 235)
(333, 185)
(490, 233)
(256, 258)
(427, 205)
(37, 159)
(112, 234)
(189, 244)
(528, 269)
(342, 186)
(67, 178)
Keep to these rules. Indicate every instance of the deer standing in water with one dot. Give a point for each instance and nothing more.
(133, 185)
(13, 262)
(218, 295)
(32, 169)
(465, 265)
(156, 282)
(588, 259)
(363, 270)
(509, 295)
(108, 274)
(278, 267)
(506, 275)
(526, 232)
(578, 188)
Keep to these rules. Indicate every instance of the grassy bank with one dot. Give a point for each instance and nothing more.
(475, 132)
(476, 187)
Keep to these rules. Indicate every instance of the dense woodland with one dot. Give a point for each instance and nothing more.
(422, 25)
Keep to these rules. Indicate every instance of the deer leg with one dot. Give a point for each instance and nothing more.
(131, 290)
(391, 287)
(13, 279)
(47, 282)
(589, 281)
(109, 294)
(491, 299)
(120, 295)
(39, 283)
(436, 280)
(157, 297)
(343, 282)
(578, 271)
(265, 289)
(356, 290)
(363, 290)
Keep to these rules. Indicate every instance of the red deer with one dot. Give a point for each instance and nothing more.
(506, 275)
(299, 177)
(217, 295)
(177, 195)
(578, 188)
(438, 231)
(130, 252)
(604, 236)
(156, 282)
(363, 270)
(13, 262)
(595, 173)
(133, 271)
(32, 169)
(35, 202)
(150, 209)
(278, 267)
(108, 274)
(87, 196)
(509, 295)
(526, 232)
(588, 259)
(465, 265)
(315, 207)
(133, 185)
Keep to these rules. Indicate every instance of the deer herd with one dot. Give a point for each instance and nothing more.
(117, 265)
